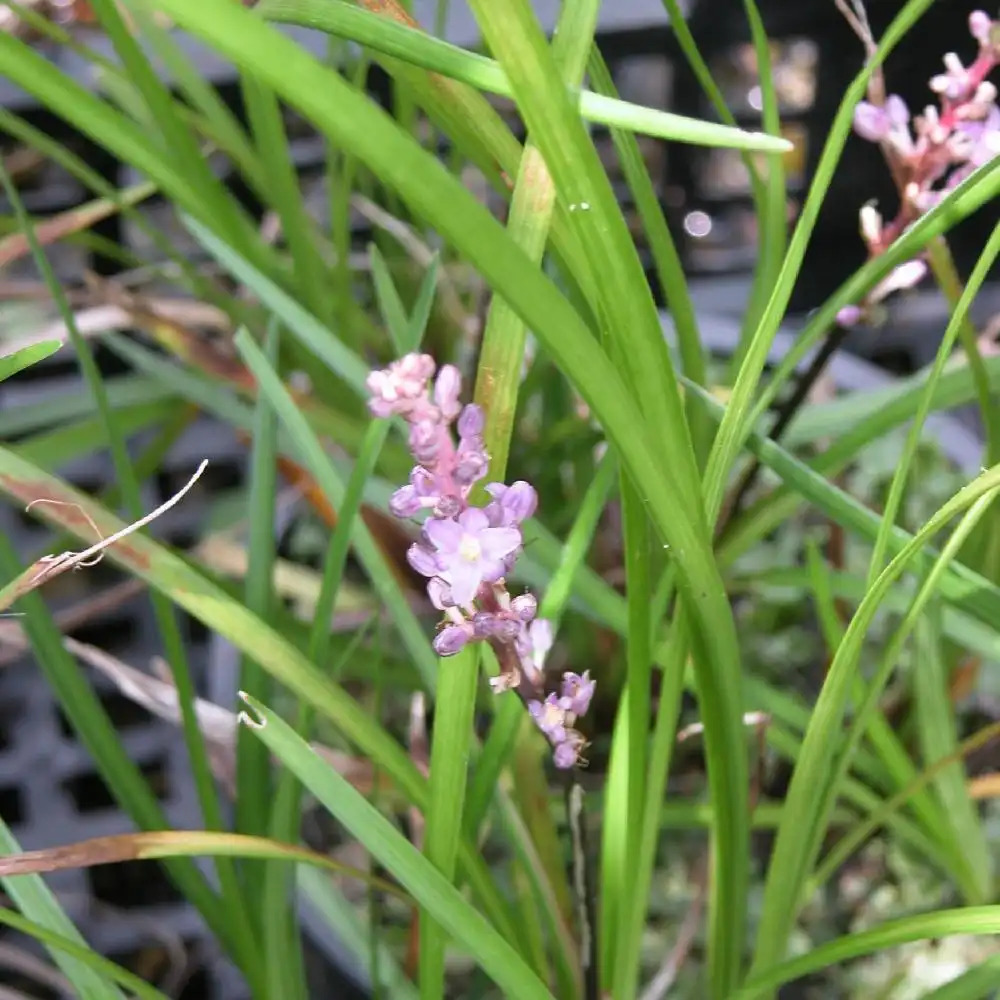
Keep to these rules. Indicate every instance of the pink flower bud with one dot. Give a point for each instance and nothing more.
(405, 502)
(446, 390)
(898, 112)
(870, 223)
(471, 421)
(401, 386)
(980, 24)
(425, 441)
(519, 502)
(423, 560)
(422, 481)
(472, 465)
(871, 122)
(525, 607)
(850, 316)
(451, 640)
(541, 637)
(440, 594)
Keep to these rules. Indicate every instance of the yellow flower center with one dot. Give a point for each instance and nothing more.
(469, 549)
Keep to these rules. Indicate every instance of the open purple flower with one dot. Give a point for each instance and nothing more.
(470, 552)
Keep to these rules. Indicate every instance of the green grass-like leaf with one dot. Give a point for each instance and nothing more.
(419, 49)
(36, 901)
(169, 630)
(11, 364)
(209, 603)
(81, 955)
(813, 785)
(422, 880)
(924, 926)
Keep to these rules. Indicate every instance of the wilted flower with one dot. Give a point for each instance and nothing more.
(451, 639)
(550, 717)
(577, 691)
(525, 607)
(567, 753)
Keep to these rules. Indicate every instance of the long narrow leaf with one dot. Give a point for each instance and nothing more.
(810, 792)
(419, 49)
(36, 901)
(424, 882)
(81, 955)
(11, 364)
(924, 926)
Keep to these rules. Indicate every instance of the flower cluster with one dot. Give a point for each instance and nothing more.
(466, 551)
(930, 154)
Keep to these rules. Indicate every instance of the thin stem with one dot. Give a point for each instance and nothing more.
(945, 273)
(583, 883)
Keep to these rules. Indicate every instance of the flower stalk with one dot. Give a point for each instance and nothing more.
(930, 154)
(467, 551)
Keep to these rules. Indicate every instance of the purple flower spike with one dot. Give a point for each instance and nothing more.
(577, 692)
(469, 552)
(550, 717)
(451, 639)
(871, 122)
(465, 551)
